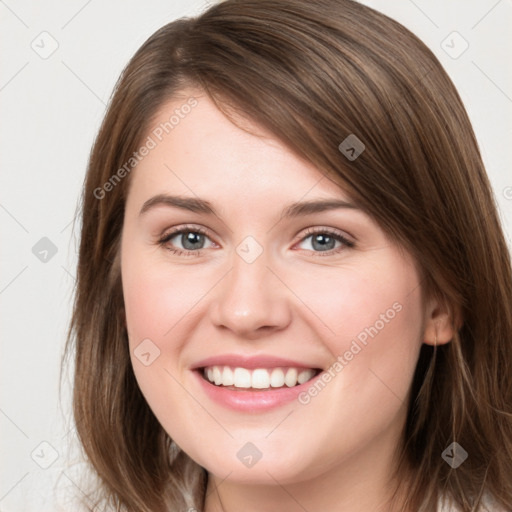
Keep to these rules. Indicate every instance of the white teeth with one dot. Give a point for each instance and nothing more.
(217, 376)
(259, 378)
(304, 376)
(277, 378)
(291, 377)
(242, 378)
(227, 376)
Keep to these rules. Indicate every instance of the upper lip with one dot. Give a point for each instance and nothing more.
(241, 361)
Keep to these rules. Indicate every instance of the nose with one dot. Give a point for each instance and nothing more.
(251, 301)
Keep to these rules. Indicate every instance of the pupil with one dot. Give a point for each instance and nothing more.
(326, 242)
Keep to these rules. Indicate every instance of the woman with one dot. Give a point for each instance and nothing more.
(293, 288)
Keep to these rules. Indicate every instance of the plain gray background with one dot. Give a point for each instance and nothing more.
(60, 61)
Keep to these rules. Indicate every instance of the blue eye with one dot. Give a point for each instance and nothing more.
(324, 242)
(191, 239)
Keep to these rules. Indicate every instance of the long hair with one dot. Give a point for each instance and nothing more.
(313, 73)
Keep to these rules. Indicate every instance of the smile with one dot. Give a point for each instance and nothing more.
(254, 390)
(258, 378)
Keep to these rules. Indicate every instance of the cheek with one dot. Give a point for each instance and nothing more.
(371, 319)
(155, 299)
(162, 304)
(375, 321)
(158, 304)
(357, 300)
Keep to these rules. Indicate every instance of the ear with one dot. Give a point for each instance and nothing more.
(440, 323)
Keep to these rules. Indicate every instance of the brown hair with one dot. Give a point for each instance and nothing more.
(313, 73)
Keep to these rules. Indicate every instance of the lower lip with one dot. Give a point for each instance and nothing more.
(252, 401)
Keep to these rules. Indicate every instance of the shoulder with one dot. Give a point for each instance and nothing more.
(488, 505)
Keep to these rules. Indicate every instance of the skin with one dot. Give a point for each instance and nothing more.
(336, 452)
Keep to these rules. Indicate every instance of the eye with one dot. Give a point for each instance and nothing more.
(185, 240)
(326, 241)
(191, 240)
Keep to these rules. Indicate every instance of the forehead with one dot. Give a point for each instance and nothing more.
(196, 149)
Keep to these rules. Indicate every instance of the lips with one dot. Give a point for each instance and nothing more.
(253, 383)
(255, 372)
(250, 399)
(253, 362)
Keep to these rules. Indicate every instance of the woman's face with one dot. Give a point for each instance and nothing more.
(264, 283)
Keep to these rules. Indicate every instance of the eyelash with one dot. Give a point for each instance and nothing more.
(163, 241)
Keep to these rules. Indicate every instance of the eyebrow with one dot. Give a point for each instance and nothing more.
(197, 205)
